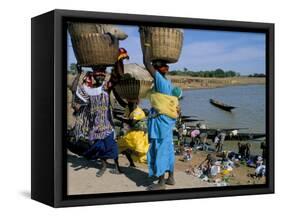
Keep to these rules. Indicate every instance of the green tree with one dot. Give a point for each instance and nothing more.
(73, 68)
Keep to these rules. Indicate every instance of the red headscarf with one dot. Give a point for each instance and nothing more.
(122, 53)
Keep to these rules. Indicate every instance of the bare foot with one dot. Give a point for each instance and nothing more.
(170, 181)
(132, 165)
(101, 172)
(116, 171)
(103, 168)
(155, 187)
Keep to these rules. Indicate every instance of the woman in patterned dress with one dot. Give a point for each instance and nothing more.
(93, 130)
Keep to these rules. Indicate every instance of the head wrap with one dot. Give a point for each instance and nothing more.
(122, 53)
(159, 63)
(99, 70)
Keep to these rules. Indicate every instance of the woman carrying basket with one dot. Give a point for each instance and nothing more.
(93, 133)
(161, 121)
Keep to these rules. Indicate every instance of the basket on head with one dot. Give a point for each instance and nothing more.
(91, 47)
(138, 72)
(166, 43)
(135, 84)
(132, 89)
(76, 29)
(95, 49)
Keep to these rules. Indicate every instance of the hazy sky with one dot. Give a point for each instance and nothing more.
(205, 50)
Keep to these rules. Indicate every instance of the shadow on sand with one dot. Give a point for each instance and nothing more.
(134, 174)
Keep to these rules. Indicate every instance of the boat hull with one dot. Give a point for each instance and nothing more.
(221, 105)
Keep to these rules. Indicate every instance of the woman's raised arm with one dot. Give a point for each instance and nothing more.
(76, 80)
(146, 55)
(146, 60)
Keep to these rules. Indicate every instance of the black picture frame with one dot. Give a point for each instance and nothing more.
(48, 163)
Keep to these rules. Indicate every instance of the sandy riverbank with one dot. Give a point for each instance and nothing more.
(186, 82)
(82, 175)
(82, 178)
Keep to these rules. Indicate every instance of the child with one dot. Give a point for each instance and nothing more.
(134, 144)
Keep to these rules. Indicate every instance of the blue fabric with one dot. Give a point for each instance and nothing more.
(162, 84)
(160, 156)
(103, 148)
(159, 126)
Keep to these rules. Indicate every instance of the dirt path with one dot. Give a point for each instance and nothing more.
(82, 178)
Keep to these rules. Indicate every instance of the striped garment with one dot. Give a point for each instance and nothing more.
(93, 118)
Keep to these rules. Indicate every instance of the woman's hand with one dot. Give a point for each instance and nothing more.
(178, 110)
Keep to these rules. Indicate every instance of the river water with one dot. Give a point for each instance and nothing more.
(249, 100)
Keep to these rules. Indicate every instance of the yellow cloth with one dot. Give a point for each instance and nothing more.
(138, 114)
(135, 140)
(164, 104)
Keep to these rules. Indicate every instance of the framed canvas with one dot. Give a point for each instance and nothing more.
(133, 108)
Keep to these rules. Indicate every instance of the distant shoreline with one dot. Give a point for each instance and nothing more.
(223, 86)
(194, 83)
(191, 83)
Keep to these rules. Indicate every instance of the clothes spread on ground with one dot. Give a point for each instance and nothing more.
(194, 133)
(135, 139)
(160, 156)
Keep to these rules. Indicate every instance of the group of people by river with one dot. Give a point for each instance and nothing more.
(147, 137)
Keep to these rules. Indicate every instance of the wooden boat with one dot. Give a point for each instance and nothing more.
(240, 136)
(222, 105)
(186, 119)
(248, 136)
(189, 116)
(190, 120)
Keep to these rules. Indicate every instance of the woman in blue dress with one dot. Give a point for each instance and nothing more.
(160, 156)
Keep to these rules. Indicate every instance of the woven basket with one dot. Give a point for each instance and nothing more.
(132, 89)
(166, 43)
(94, 49)
(136, 82)
(91, 46)
(138, 72)
(76, 29)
